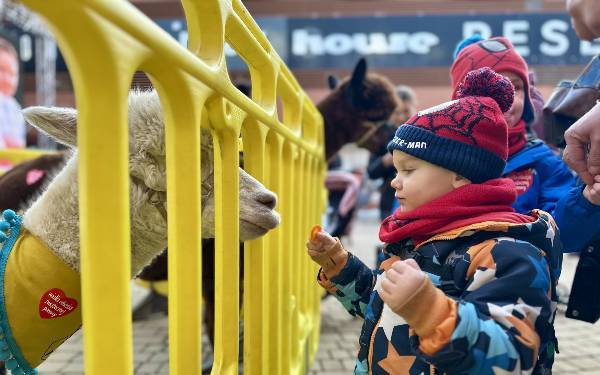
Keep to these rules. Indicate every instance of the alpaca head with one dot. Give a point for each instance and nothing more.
(147, 168)
(356, 107)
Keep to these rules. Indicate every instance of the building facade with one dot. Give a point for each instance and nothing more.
(410, 41)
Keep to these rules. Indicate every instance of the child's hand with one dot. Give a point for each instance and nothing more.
(401, 282)
(325, 250)
(592, 192)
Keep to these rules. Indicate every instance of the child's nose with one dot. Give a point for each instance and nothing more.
(396, 183)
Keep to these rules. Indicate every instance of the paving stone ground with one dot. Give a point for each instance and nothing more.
(579, 342)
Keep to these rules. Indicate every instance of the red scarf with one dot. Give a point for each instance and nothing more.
(468, 204)
(517, 137)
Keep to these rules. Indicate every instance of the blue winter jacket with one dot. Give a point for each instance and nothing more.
(491, 313)
(544, 182)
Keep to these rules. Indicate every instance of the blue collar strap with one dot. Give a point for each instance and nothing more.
(10, 227)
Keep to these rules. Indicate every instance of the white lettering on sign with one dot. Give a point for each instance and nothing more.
(476, 27)
(338, 44)
(307, 42)
(555, 41)
(589, 48)
(555, 37)
(516, 32)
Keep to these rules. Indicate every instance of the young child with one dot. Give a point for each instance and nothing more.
(468, 285)
(543, 180)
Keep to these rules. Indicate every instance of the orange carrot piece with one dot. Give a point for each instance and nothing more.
(314, 231)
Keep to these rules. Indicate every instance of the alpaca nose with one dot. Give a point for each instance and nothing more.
(268, 199)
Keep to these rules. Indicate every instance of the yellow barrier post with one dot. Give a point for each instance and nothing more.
(256, 284)
(18, 155)
(184, 188)
(272, 355)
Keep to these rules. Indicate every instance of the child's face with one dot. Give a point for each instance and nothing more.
(514, 114)
(418, 182)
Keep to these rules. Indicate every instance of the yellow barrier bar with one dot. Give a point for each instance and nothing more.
(19, 155)
(103, 181)
(298, 259)
(273, 300)
(226, 255)
(286, 253)
(184, 201)
(318, 203)
(255, 262)
(306, 279)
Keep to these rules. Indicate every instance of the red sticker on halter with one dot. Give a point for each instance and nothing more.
(314, 231)
(55, 303)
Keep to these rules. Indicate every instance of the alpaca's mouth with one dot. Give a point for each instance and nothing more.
(250, 231)
(259, 226)
(265, 223)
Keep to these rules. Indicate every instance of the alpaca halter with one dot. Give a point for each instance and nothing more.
(156, 198)
(374, 126)
(39, 299)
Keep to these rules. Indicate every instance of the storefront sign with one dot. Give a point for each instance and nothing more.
(395, 41)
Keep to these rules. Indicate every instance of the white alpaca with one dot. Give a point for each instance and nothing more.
(40, 262)
(54, 217)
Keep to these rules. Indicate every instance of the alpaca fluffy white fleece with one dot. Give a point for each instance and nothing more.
(54, 216)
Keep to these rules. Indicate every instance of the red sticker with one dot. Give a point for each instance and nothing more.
(54, 304)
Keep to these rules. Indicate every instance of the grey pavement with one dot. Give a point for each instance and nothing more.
(579, 342)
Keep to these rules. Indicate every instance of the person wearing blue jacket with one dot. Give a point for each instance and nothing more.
(543, 180)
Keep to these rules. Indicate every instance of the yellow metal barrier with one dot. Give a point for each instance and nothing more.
(104, 43)
(19, 155)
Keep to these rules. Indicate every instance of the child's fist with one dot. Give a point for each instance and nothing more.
(592, 192)
(326, 251)
(402, 281)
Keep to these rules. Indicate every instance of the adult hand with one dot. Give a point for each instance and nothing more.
(583, 134)
(585, 17)
(402, 281)
(592, 192)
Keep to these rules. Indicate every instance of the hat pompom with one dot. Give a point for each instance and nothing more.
(486, 82)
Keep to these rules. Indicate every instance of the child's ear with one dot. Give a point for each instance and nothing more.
(459, 181)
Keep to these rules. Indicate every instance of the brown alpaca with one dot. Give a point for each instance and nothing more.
(355, 109)
(26, 180)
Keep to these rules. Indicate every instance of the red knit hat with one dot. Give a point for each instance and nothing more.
(498, 54)
(467, 135)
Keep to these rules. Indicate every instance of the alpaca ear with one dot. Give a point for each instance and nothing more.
(58, 123)
(332, 82)
(358, 74)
